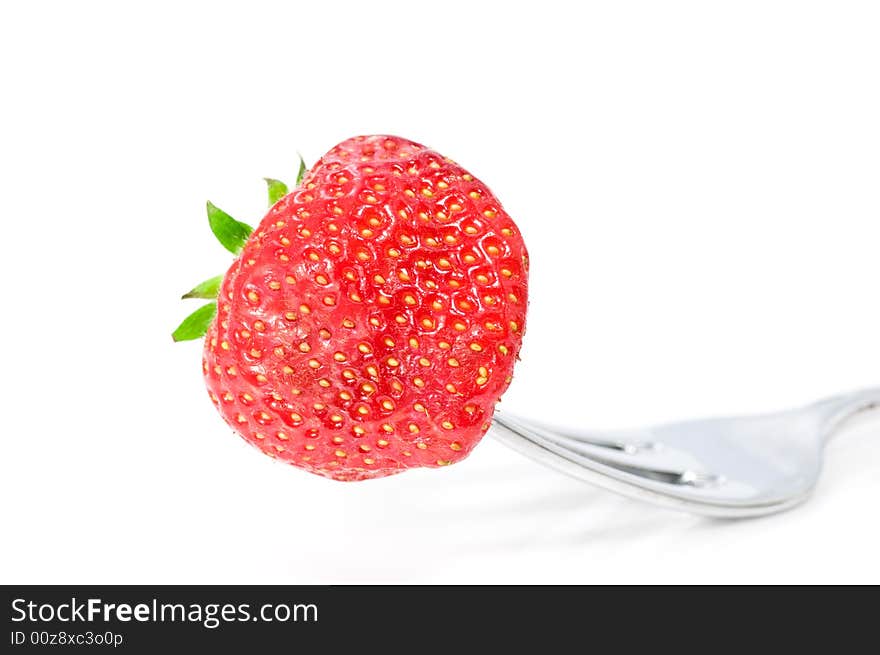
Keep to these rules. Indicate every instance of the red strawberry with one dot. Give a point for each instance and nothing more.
(372, 320)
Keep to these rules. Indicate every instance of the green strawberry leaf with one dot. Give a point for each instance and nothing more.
(232, 234)
(302, 170)
(196, 324)
(207, 289)
(277, 190)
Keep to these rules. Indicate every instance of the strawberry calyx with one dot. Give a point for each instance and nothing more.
(207, 289)
(232, 235)
(276, 188)
(196, 324)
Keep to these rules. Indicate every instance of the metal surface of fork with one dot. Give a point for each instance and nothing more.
(723, 467)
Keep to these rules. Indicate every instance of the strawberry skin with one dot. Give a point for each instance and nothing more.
(373, 318)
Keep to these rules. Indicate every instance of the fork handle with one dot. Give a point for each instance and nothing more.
(833, 413)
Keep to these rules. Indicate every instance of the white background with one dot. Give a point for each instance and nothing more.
(698, 187)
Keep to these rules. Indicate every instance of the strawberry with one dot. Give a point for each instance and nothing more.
(372, 320)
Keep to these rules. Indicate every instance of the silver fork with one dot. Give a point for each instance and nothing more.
(723, 467)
